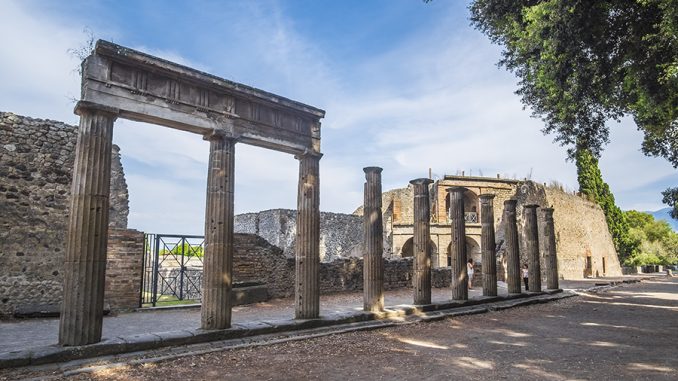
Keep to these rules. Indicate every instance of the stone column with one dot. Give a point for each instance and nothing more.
(218, 260)
(458, 244)
(532, 247)
(373, 262)
(422, 238)
(489, 255)
(550, 250)
(307, 244)
(512, 249)
(85, 258)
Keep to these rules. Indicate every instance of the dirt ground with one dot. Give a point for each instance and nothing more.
(629, 332)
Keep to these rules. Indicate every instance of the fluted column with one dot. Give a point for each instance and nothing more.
(550, 250)
(458, 244)
(489, 255)
(421, 240)
(307, 244)
(512, 249)
(373, 262)
(532, 247)
(85, 258)
(218, 260)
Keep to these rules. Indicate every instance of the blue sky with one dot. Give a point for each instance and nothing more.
(406, 86)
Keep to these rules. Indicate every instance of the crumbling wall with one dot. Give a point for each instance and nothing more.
(36, 164)
(340, 234)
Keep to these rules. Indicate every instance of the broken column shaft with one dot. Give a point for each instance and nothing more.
(458, 244)
(218, 260)
(551, 258)
(532, 247)
(421, 281)
(512, 249)
(82, 309)
(489, 256)
(373, 262)
(307, 242)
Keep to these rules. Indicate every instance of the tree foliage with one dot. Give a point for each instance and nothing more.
(582, 63)
(592, 186)
(671, 199)
(653, 242)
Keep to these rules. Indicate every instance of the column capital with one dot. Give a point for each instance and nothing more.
(530, 206)
(511, 203)
(421, 181)
(308, 154)
(218, 134)
(83, 107)
(456, 189)
(373, 170)
(486, 197)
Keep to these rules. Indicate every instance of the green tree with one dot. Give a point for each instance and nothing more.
(671, 199)
(592, 186)
(654, 242)
(581, 64)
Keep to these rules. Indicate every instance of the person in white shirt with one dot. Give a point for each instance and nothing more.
(525, 273)
(469, 271)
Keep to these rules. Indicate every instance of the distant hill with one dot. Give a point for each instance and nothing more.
(663, 214)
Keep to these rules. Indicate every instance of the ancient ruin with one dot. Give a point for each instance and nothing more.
(120, 82)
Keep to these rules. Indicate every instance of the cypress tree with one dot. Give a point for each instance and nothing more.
(592, 186)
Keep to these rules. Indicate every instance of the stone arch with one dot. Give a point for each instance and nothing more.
(471, 206)
(472, 250)
(408, 248)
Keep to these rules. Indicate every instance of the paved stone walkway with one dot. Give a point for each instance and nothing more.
(29, 333)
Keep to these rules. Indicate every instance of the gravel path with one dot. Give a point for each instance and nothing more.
(628, 332)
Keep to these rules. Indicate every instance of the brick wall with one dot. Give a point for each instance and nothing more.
(123, 268)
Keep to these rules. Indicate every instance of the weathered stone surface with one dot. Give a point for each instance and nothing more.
(422, 239)
(489, 257)
(341, 235)
(81, 319)
(551, 258)
(307, 259)
(532, 247)
(36, 163)
(513, 278)
(373, 289)
(457, 244)
(218, 261)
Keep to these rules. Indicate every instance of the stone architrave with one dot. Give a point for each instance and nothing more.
(421, 240)
(82, 309)
(373, 262)
(218, 260)
(307, 266)
(512, 249)
(532, 247)
(458, 244)
(551, 258)
(489, 256)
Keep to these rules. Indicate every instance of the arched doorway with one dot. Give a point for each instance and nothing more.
(472, 251)
(408, 249)
(471, 207)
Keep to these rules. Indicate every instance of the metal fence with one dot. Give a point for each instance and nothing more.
(172, 269)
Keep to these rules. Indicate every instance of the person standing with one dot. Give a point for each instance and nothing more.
(469, 271)
(525, 274)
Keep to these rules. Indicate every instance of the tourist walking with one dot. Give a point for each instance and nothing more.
(525, 274)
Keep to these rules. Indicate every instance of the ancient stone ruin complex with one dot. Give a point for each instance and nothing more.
(64, 214)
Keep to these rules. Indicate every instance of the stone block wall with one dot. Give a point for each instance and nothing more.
(340, 234)
(123, 268)
(36, 163)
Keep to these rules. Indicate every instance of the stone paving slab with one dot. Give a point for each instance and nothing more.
(33, 341)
